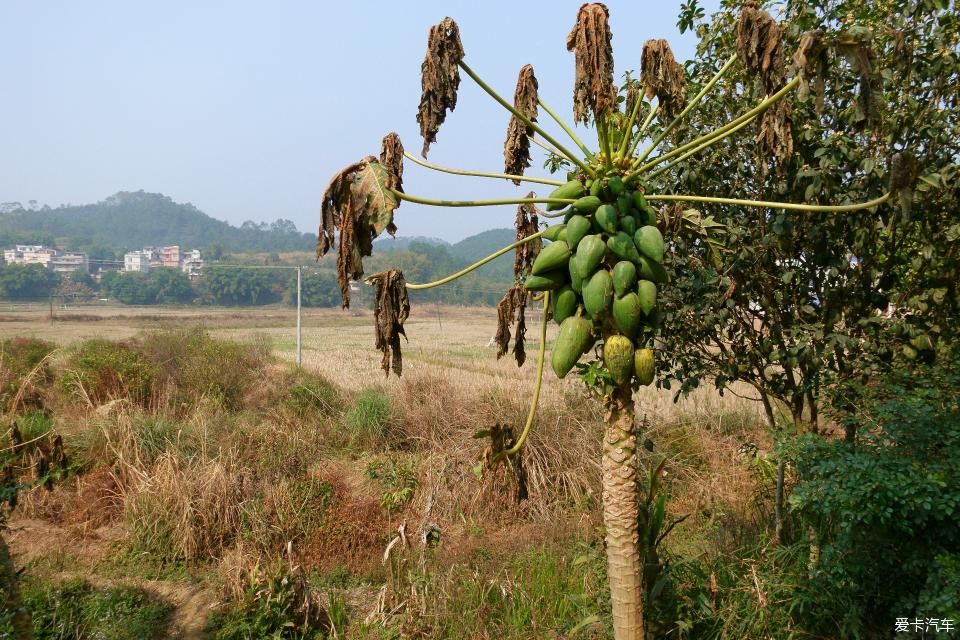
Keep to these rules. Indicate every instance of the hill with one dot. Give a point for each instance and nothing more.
(134, 219)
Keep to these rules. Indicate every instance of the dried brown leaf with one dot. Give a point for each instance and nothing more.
(593, 89)
(502, 439)
(854, 45)
(526, 224)
(391, 157)
(810, 63)
(439, 79)
(391, 307)
(776, 131)
(516, 149)
(904, 171)
(760, 46)
(663, 77)
(511, 308)
(358, 205)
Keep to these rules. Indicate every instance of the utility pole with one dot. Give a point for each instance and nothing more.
(299, 343)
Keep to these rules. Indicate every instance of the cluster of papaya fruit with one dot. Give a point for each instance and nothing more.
(603, 264)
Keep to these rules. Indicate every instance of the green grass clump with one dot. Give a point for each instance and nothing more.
(78, 610)
(369, 417)
(18, 358)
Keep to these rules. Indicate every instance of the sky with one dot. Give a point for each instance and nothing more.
(247, 109)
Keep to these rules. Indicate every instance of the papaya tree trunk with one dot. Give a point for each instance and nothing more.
(10, 593)
(620, 513)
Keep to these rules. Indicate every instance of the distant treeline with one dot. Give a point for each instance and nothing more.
(253, 284)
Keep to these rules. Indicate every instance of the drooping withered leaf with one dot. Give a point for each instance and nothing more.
(904, 171)
(593, 89)
(760, 46)
(526, 224)
(633, 95)
(439, 79)
(511, 308)
(391, 307)
(854, 45)
(516, 149)
(357, 206)
(391, 157)
(810, 63)
(663, 77)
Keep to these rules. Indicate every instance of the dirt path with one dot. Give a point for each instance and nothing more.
(35, 541)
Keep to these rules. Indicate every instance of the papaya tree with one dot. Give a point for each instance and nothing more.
(600, 272)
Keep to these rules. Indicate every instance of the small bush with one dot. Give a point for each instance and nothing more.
(310, 397)
(98, 371)
(287, 511)
(18, 358)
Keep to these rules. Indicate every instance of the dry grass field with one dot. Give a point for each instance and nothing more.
(232, 465)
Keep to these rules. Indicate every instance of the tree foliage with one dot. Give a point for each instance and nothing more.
(27, 281)
(792, 302)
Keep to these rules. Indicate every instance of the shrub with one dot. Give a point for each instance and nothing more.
(100, 370)
(885, 511)
(311, 396)
(18, 359)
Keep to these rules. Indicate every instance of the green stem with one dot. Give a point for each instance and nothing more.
(646, 123)
(479, 174)
(532, 414)
(570, 132)
(475, 265)
(524, 119)
(656, 174)
(690, 107)
(808, 208)
(478, 203)
(601, 123)
(628, 130)
(718, 133)
(546, 147)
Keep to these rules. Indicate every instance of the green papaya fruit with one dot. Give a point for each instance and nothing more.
(595, 187)
(616, 185)
(650, 270)
(644, 217)
(571, 190)
(649, 242)
(618, 357)
(563, 236)
(639, 201)
(553, 256)
(598, 294)
(643, 366)
(586, 204)
(577, 227)
(624, 277)
(576, 280)
(647, 296)
(628, 224)
(546, 281)
(573, 340)
(621, 245)
(590, 252)
(624, 204)
(627, 315)
(553, 233)
(606, 216)
(564, 303)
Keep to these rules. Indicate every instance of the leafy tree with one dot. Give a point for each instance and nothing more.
(317, 289)
(130, 287)
(792, 302)
(27, 281)
(237, 286)
(170, 286)
(609, 191)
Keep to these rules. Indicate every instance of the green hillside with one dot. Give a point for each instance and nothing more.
(134, 219)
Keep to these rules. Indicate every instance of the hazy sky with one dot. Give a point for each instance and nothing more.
(246, 109)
